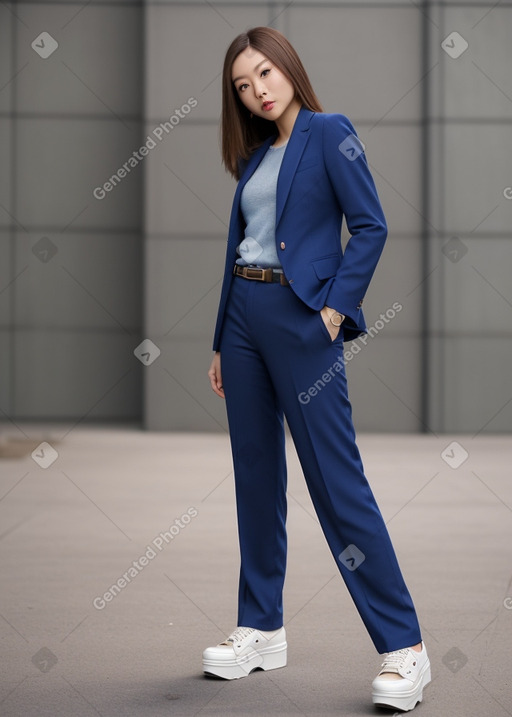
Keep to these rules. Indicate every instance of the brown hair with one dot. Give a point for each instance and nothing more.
(241, 134)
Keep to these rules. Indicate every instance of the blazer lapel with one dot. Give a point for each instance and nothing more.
(292, 154)
(252, 165)
(236, 222)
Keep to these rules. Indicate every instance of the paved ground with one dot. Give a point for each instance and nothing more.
(68, 532)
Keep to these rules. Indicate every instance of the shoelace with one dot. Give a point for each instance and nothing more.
(394, 660)
(240, 633)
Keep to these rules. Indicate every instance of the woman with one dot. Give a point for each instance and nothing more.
(290, 298)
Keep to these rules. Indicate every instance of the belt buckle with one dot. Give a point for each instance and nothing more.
(264, 274)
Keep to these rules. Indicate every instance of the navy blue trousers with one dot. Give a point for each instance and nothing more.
(277, 358)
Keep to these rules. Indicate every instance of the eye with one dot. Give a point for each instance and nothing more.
(263, 71)
(241, 88)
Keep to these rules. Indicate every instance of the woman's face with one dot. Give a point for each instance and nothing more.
(261, 87)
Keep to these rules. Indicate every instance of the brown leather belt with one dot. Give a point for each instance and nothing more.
(267, 275)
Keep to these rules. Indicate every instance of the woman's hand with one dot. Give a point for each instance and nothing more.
(325, 313)
(215, 375)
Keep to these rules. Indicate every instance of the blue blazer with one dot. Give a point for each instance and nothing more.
(324, 176)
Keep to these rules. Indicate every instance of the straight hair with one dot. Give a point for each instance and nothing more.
(241, 135)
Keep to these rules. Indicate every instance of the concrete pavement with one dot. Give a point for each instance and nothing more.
(119, 564)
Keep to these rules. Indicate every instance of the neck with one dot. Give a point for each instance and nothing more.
(286, 121)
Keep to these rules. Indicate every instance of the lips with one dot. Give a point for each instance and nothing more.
(267, 106)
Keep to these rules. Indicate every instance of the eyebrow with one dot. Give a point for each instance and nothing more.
(242, 77)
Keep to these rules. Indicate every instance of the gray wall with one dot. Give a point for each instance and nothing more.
(70, 278)
(469, 261)
(437, 134)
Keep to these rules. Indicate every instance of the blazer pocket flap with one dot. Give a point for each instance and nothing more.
(326, 267)
(309, 164)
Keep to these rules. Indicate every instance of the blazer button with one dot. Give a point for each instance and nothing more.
(283, 245)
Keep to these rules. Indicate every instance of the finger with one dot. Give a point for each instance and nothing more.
(219, 391)
(220, 387)
(216, 384)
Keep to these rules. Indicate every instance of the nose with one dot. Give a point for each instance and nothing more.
(259, 89)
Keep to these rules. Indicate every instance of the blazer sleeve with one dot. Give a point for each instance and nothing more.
(353, 184)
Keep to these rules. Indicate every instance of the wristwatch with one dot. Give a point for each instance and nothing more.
(337, 319)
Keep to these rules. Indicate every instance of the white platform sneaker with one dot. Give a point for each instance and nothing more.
(245, 650)
(403, 676)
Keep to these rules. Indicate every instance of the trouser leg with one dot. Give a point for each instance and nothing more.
(307, 369)
(258, 448)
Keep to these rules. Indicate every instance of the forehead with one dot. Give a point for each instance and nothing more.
(245, 62)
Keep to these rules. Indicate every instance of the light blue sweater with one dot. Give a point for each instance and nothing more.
(258, 204)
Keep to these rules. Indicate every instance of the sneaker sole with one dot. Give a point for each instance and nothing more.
(404, 701)
(271, 658)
